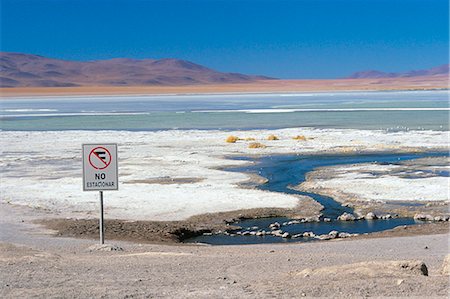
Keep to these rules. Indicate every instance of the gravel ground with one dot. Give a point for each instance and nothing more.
(33, 263)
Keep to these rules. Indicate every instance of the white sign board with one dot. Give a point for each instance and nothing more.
(100, 168)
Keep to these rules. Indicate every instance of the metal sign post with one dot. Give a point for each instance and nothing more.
(101, 226)
(100, 173)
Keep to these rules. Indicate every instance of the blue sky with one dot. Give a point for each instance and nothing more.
(279, 38)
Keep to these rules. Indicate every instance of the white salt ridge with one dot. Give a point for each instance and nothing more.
(28, 110)
(357, 181)
(43, 169)
(279, 110)
(72, 114)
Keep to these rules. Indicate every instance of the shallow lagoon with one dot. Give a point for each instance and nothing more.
(391, 111)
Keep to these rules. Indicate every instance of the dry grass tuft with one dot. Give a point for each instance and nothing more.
(232, 139)
(250, 139)
(272, 137)
(299, 137)
(256, 145)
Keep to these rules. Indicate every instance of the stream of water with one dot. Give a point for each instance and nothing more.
(285, 171)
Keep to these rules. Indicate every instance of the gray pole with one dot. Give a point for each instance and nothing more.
(102, 227)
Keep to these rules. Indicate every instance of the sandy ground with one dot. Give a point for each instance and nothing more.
(35, 264)
(263, 86)
(38, 177)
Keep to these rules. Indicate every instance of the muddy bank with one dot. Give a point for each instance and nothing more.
(175, 232)
(172, 231)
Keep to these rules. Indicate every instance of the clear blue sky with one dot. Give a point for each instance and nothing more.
(285, 39)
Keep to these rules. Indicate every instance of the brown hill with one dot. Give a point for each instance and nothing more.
(371, 74)
(26, 70)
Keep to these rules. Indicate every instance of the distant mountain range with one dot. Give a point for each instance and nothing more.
(26, 70)
(436, 71)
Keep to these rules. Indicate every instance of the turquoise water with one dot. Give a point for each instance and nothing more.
(284, 171)
(392, 111)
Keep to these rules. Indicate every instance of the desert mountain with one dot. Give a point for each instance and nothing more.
(37, 71)
(436, 71)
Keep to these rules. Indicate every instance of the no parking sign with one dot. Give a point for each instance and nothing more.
(100, 167)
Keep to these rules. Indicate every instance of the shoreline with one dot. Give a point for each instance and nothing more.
(173, 233)
(176, 232)
(258, 87)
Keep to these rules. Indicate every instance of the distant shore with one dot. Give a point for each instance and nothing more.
(262, 86)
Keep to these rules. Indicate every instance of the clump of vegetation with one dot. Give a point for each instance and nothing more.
(272, 137)
(250, 139)
(256, 145)
(232, 139)
(299, 137)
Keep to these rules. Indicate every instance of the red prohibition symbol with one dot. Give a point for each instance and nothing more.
(100, 157)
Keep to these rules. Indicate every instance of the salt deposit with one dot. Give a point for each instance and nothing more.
(43, 169)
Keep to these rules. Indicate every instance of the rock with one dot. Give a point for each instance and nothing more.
(333, 233)
(312, 219)
(400, 281)
(429, 218)
(446, 265)
(207, 234)
(104, 247)
(344, 235)
(370, 269)
(326, 219)
(246, 233)
(254, 227)
(286, 235)
(347, 217)
(277, 233)
(370, 216)
(446, 218)
(297, 236)
(253, 233)
(309, 234)
(419, 217)
(423, 217)
(324, 237)
(438, 218)
(274, 226)
(259, 234)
